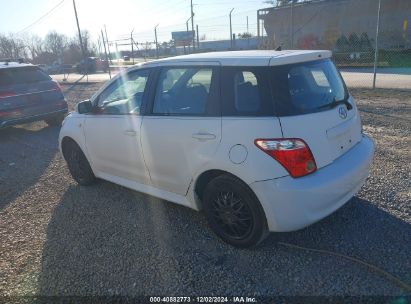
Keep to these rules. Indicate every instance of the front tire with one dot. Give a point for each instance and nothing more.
(234, 212)
(78, 164)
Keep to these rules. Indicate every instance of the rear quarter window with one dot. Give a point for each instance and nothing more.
(306, 87)
(21, 75)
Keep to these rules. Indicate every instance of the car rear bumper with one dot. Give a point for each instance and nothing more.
(294, 203)
(31, 118)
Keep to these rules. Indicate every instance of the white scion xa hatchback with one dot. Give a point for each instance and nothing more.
(259, 140)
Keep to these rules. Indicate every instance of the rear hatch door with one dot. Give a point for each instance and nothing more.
(314, 105)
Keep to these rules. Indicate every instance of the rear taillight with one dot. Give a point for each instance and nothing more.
(5, 94)
(292, 153)
(55, 86)
(10, 114)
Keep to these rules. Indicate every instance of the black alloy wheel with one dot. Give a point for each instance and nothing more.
(234, 212)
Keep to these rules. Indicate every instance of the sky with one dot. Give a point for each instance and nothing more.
(122, 16)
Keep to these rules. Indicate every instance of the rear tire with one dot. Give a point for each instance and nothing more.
(78, 164)
(55, 121)
(234, 212)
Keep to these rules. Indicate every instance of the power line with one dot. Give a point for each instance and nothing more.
(224, 16)
(166, 9)
(42, 17)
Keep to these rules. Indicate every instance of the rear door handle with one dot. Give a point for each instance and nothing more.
(130, 132)
(203, 136)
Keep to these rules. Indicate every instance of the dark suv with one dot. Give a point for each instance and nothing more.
(28, 94)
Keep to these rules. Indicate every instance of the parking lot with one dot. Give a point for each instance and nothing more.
(58, 238)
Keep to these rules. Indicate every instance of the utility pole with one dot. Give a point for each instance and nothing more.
(81, 40)
(138, 49)
(155, 34)
(292, 25)
(192, 24)
(377, 33)
(132, 45)
(258, 26)
(108, 45)
(198, 39)
(99, 46)
(188, 34)
(105, 51)
(231, 30)
(248, 38)
(79, 32)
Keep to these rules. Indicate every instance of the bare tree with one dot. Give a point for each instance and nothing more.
(34, 44)
(85, 37)
(55, 43)
(6, 47)
(147, 48)
(12, 46)
(72, 53)
(53, 47)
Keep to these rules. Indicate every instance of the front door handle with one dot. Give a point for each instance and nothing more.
(203, 136)
(130, 132)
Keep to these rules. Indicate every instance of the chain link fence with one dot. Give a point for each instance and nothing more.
(370, 39)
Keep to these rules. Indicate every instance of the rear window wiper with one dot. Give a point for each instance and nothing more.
(335, 103)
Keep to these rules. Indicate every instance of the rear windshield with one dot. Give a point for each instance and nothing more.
(306, 87)
(22, 75)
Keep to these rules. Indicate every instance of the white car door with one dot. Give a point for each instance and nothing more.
(182, 131)
(112, 131)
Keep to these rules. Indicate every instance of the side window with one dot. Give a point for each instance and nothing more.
(246, 95)
(170, 78)
(184, 91)
(203, 78)
(246, 92)
(124, 96)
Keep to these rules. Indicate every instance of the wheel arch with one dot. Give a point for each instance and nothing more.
(65, 142)
(205, 177)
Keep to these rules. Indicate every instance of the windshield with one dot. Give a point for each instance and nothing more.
(307, 87)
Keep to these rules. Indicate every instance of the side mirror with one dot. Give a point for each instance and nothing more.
(84, 107)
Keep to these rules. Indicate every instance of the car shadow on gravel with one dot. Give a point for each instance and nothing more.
(25, 153)
(106, 240)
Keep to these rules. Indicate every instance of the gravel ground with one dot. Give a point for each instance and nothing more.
(58, 238)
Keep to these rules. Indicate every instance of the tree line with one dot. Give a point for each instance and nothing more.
(53, 48)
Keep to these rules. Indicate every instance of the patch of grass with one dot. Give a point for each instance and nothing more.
(396, 58)
(386, 58)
